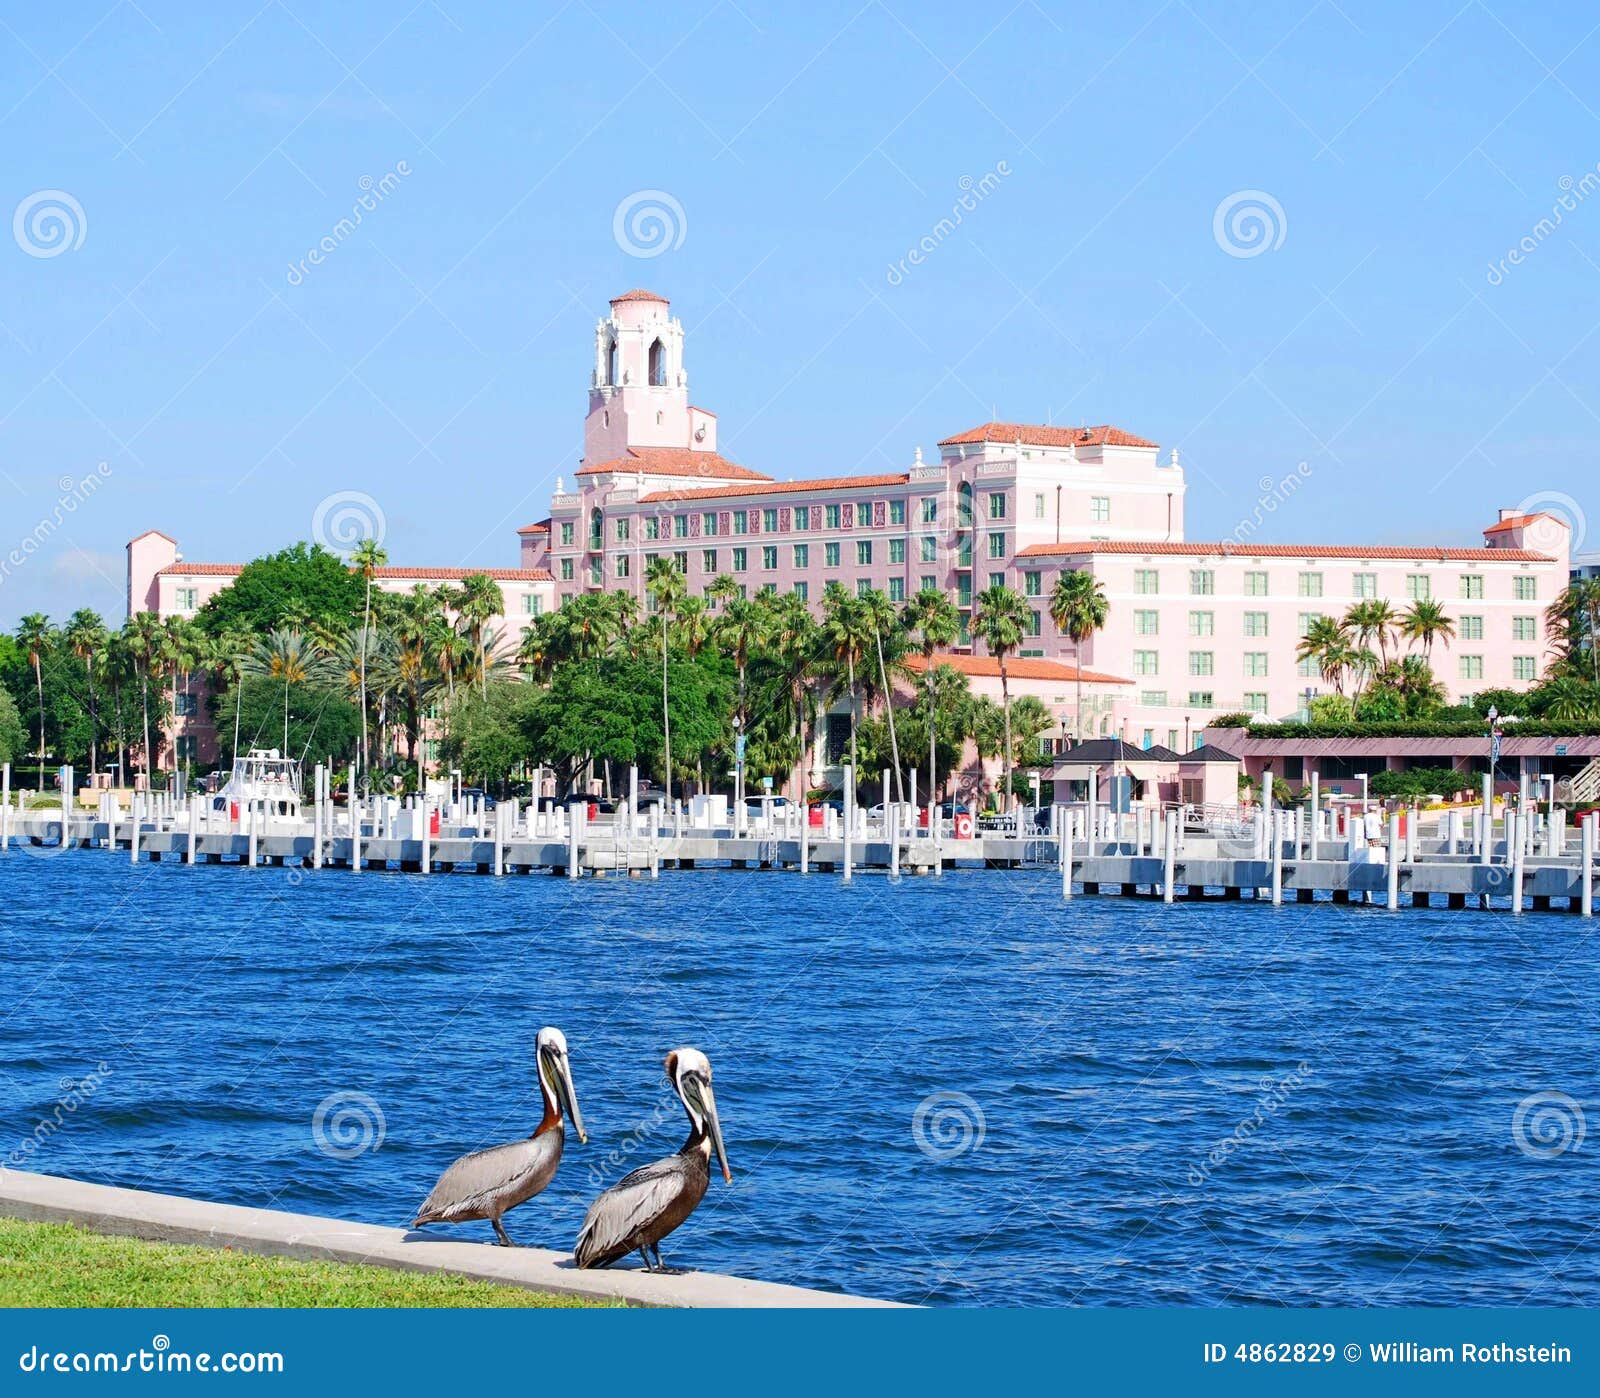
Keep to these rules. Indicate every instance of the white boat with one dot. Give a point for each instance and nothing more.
(261, 777)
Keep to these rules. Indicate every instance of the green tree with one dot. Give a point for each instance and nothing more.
(1426, 622)
(291, 589)
(368, 557)
(37, 637)
(668, 591)
(933, 623)
(1001, 619)
(478, 601)
(86, 638)
(13, 736)
(1079, 608)
(846, 635)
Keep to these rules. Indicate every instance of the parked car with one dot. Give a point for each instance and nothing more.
(758, 803)
(954, 808)
(469, 793)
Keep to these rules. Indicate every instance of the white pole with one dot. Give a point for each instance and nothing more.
(1169, 857)
(1586, 867)
(1277, 858)
(194, 828)
(576, 815)
(1394, 860)
(66, 806)
(252, 846)
(133, 833)
(912, 792)
(1064, 849)
(5, 806)
(1519, 867)
(891, 823)
(319, 815)
(425, 822)
(849, 814)
(1316, 816)
(805, 834)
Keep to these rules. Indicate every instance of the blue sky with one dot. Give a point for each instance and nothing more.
(437, 359)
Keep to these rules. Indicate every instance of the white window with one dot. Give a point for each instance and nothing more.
(1364, 586)
(1524, 628)
(1255, 584)
(1099, 509)
(1146, 581)
(1472, 587)
(1146, 662)
(1255, 701)
(1472, 628)
(1202, 662)
(1202, 623)
(1202, 582)
(532, 604)
(1472, 667)
(1255, 623)
(185, 598)
(1147, 623)
(1255, 664)
(1419, 588)
(1524, 668)
(1311, 584)
(1153, 698)
(1527, 589)
(1038, 506)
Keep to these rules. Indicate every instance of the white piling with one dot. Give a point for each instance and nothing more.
(1277, 858)
(912, 793)
(1064, 850)
(1394, 861)
(849, 814)
(425, 824)
(133, 828)
(252, 847)
(1169, 858)
(892, 829)
(805, 836)
(66, 807)
(1518, 869)
(5, 806)
(576, 815)
(1586, 867)
(1316, 816)
(194, 829)
(318, 814)
(499, 840)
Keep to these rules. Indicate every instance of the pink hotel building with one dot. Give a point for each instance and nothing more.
(1195, 629)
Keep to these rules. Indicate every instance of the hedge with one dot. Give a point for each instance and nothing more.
(1425, 728)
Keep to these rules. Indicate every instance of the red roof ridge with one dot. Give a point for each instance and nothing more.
(1521, 522)
(1037, 435)
(1018, 667)
(640, 294)
(213, 570)
(674, 461)
(1426, 552)
(771, 487)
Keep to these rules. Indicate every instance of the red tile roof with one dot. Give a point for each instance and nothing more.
(1018, 667)
(1422, 553)
(675, 461)
(157, 534)
(639, 294)
(1031, 436)
(776, 488)
(1517, 522)
(542, 527)
(232, 570)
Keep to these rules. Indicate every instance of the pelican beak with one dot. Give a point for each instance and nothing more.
(569, 1096)
(708, 1102)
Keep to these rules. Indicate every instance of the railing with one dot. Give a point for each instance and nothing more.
(1586, 785)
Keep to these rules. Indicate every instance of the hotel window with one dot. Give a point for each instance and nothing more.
(597, 572)
(623, 530)
(652, 526)
(1202, 662)
(1146, 623)
(1099, 509)
(802, 590)
(997, 579)
(1255, 623)
(1472, 628)
(1308, 669)
(897, 589)
(708, 524)
(1364, 586)
(619, 565)
(1472, 667)
(188, 704)
(680, 526)
(1524, 628)
(566, 570)
(1255, 664)
(1472, 587)
(1038, 506)
(1146, 581)
(1035, 624)
(830, 516)
(680, 561)
(532, 604)
(1202, 699)
(1418, 587)
(964, 551)
(1146, 662)
(1306, 621)
(997, 505)
(186, 598)
(802, 555)
(769, 557)
(1255, 701)
(1202, 582)
(1255, 584)
(769, 521)
(1153, 698)
(1202, 623)
(1524, 668)
(566, 531)
(930, 509)
(1527, 589)
(897, 512)
(830, 555)
(802, 518)
(708, 560)
(1033, 584)
(863, 514)
(897, 550)
(863, 587)
(650, 561)
(997, 546)
(188, 746)
(930, 549)
(741, 560)
(741, 522)
(929, 584)
(1311, 584)
(864, 552)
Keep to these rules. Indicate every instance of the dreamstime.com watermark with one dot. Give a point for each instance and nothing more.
(342, 522)
(347, 1124)
(1274, 1093)
(160, 1358)
(1573, 193)
(1548, 1124)
(948, 1124)
(48, 223)
(74, 492)
(373, 193)
(973, 192)
(649, 222)
(75, 1093)
(1275, 491)
(1248, 223)
(602, 1171)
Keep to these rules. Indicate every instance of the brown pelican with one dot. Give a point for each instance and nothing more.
(637, 1212)
(488, 1182)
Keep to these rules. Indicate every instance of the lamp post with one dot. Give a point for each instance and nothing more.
(738, 774)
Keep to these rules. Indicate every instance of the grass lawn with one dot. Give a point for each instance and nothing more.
(58, 1264)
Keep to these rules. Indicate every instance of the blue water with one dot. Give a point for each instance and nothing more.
(1112, 1047)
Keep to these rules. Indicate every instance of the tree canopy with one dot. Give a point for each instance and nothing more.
(299, 586)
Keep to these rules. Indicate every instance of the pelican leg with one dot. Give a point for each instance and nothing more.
(644, 1256)
(505, 1238)
(661, 1266)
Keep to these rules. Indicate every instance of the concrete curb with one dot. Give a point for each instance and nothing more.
(167, 1218)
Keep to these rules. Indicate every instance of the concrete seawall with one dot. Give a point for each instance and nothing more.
(167, 1218)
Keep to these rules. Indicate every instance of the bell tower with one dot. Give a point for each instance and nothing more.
(639, 389)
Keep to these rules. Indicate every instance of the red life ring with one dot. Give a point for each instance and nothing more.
(963, 826)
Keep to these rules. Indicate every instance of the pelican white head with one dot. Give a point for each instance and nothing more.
(689, 1072)
(555, 1072)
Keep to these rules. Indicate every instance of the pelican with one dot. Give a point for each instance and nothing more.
(637, 1212)
(486, 1183)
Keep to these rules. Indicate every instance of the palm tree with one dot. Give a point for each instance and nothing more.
(793, 641)
(36, 636)
(667, 588)
(224, 656)
(934, 622)
(1568, 699)
(1079, 608)
(368, 557)
(742, 627)
(1327, 643)
(846, 633)
(288, 656)
(1001, 619)
(179, 653)
(86, 638)
(141, 637)
(1373, 620)
(478, 600)
(879, 613)
(1425, 622)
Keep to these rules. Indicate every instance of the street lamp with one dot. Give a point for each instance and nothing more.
(738, 774)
